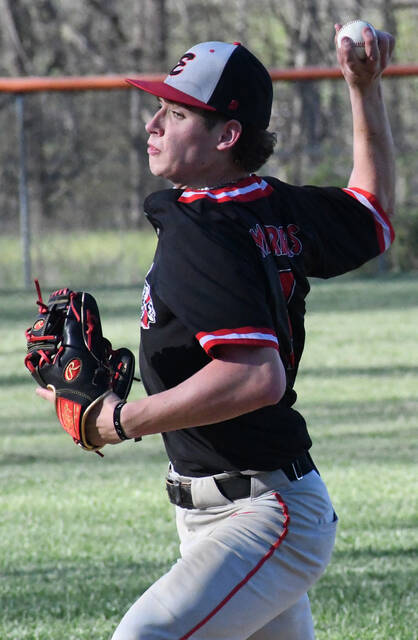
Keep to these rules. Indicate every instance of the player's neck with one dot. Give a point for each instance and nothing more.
(216, 183)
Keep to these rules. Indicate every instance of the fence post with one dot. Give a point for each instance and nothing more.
(23, 193)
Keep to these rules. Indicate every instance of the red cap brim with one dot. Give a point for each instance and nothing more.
(166, 91)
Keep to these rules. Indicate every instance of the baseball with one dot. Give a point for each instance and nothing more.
(354, 30)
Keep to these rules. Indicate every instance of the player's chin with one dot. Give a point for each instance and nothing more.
(156, 166)
(160, 169)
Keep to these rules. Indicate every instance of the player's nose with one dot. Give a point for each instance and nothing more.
(155, 125)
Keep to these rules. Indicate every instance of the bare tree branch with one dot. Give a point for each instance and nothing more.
(24, 61)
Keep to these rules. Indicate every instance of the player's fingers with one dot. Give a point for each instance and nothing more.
(386, 46)
(392, 42)
(347, 53)
(92, 433)
(371, 47)
(384, 49)
(337, 27)
(99, 424)
(93, 436)
(47, 394)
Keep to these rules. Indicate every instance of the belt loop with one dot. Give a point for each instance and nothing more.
(297, 470)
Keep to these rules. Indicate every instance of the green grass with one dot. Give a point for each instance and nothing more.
(81, 537)
(79, 259)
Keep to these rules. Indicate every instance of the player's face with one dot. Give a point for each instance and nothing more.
(180, 147)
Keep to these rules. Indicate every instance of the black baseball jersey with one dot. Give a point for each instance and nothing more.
(232, 267)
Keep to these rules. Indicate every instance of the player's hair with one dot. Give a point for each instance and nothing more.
(254, 146)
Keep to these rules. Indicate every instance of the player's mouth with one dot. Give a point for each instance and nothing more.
(151, 150)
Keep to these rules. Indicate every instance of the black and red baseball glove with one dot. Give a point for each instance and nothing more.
(68, 354)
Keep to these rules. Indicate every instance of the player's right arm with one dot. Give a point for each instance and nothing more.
(373, 149)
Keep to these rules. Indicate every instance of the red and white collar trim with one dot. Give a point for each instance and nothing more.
(245, 190)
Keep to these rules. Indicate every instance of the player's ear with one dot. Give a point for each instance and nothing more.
(229, 134)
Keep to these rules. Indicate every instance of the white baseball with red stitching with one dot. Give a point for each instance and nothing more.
(354, 31)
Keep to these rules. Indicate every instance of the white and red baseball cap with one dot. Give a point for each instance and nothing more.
(218, 76)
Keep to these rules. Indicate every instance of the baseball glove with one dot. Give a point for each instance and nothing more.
(67, 353)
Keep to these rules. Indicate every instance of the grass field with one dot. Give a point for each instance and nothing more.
(81, 537)
(89, 257)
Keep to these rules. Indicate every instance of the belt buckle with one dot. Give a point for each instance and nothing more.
(177, 494)
(174, 490)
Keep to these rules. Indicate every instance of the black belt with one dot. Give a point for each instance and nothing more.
(235, 487)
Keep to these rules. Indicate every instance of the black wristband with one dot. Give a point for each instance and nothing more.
(116, 421)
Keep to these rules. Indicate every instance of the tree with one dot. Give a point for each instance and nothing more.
(86, 151)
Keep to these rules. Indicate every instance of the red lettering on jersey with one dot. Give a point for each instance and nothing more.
(260, 239)
(296, 246)
(284, 243)
(277, 241)
(273, 234)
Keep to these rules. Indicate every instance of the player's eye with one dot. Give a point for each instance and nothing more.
(177, 114)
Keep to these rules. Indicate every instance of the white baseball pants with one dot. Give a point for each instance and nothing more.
(245, 566)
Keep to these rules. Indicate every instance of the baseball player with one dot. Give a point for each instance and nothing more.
(222, 336)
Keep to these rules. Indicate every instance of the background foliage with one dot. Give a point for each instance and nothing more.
(87, 167)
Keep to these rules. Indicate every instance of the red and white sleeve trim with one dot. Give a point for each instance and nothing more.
(251, 336)
(384, 229)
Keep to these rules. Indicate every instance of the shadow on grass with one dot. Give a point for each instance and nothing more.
(88, 569)
(340, 372)
(15, 380)
(379, 448)
(392, 571)
(29, 294)
(349, 557)
(57, 457)
(19, 308)
(38, 426)
(27, 315)
(369, 411)
(71, 589)
(336, 295)
(365, 294)
(357, 436)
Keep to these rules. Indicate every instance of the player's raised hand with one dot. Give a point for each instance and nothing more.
(363, 65)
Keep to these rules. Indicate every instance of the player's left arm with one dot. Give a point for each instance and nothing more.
(239, 380)
(373, 149)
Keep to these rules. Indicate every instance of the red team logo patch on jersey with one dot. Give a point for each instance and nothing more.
(148, 315)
